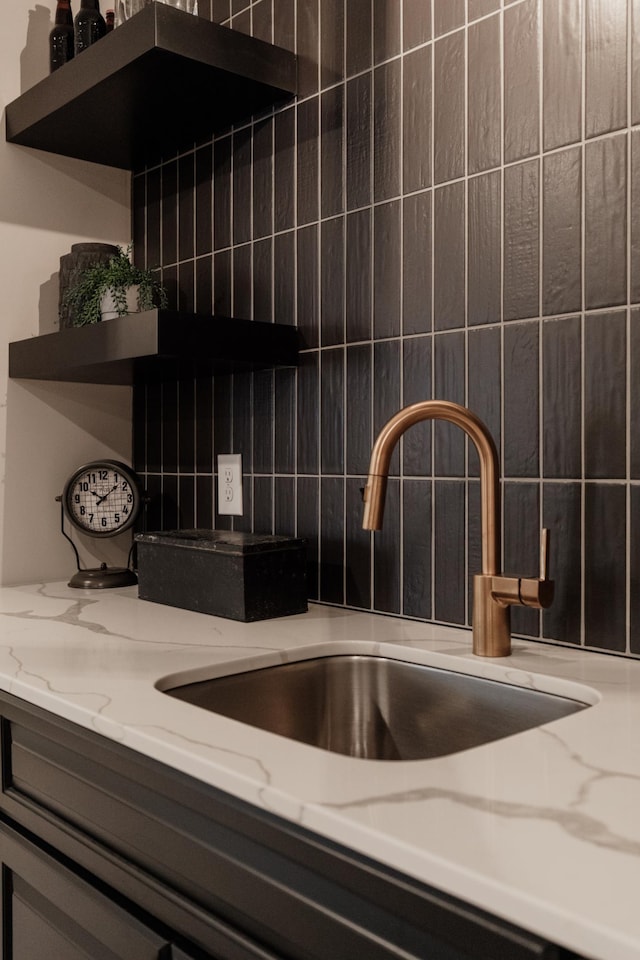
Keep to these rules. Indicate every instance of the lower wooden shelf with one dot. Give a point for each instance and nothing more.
(157, 343)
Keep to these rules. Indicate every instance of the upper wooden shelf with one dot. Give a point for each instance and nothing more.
(160, 82)
(157, 343)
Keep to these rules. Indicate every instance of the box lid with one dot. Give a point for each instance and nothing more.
(233, 542)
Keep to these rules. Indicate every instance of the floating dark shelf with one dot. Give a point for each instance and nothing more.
(160, 82)
(157, 343)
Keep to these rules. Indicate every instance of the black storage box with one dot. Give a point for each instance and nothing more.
(241, 576)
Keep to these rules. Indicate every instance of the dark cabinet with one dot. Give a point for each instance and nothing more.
(109, 854)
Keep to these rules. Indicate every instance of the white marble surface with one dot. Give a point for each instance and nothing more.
(542, 828)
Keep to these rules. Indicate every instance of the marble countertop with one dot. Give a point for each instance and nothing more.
(541, 828)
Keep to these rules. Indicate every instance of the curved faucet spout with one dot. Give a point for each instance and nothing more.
(475, 429)
(493, 593)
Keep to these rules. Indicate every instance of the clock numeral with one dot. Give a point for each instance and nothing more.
(125, 485)
(90, 518)
(83, 486)
(125, 510)
(129, 498)
(104, 521)
(82, 511)
(76, 498)
(116, 517)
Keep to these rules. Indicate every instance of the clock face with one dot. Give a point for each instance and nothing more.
(102, 498)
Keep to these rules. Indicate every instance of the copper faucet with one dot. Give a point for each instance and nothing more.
(493, 593)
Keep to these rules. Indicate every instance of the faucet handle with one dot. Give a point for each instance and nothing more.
(539, 593)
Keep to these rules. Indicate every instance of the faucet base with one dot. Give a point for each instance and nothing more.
(491, 620)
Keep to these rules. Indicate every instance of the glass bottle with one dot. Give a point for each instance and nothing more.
(110, 17)
(61, 36)
(89, 25)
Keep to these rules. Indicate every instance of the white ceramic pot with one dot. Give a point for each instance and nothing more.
(108, 309)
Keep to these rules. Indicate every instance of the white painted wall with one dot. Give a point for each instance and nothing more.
(47, 429)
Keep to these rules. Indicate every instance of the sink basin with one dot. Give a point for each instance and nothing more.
(376, 708)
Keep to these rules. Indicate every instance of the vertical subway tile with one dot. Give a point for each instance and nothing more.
(605, 222)
(170, 426)
(204, 502)
(562, 516)
(220, 10)
(386, 269)
(416, 119)
(485, 106)
(449, 256)
(332, 410)
(284, 522)
(562, 397)
(358, 141)
(307, 285)
(222, 283)
(283, 169)
(521, 241)
(449, 551)
(154, 427)
(187, 502)
(562, 75)
(635, 216)
(359, 36)
(284, 277)
(169, 506)
(204, 199)
(242, 185)
(263, 178)
(447, 15)
(448, 120)
(138, 226)
(263, 422)
(484, 393)
(634, 26)
(308, 494)
(358, 404)
(284, 20)
(521, 72)
(416, 549)
(204, 285)
(153, 513)
(263, 280)
(386, 388)
(521, 400)
(386, 555)
(357, 549)
(284, 413)
(169, 213)
(484, 253)
(386, 30)
(416, 386)
(186, 210)
(241, 428)
(170, 283)
(449, 377)
(263, 505)
(332, 281)
(634, 390)
(204, 425)
(222, 193)
(605, 405)
(522, 546)
(332, 540)
(262, 21)
(358, 267)
(416, 22)
(634, 579)
(307, 46)
(605, 566)
(308, 410)
(138, 416)
(154, 190)
(606, 66)
(242, 21)
(416, 263)
(331, 149)
(332, 27)
(222, 398)
(561, 231)
(307, 160)
(387, 117)
(186, 290)
(242, 281)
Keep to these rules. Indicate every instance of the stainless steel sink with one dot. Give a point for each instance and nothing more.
(376, 708)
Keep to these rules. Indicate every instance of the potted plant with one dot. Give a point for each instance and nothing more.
(113, 289)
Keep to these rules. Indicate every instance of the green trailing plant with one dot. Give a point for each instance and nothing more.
(115, 276)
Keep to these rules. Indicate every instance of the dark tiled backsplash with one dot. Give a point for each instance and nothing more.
(451, 209)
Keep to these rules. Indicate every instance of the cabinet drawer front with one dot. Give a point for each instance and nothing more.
(49, 911)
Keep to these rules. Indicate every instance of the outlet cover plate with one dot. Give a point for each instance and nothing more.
(230, 484)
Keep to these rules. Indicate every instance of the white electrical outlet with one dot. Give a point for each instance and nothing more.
(230, 484)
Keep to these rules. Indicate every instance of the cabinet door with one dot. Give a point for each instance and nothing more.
(50, 913)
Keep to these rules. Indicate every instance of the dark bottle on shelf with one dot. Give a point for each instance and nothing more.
(89, 25)
(61, 36)
(110, 17)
